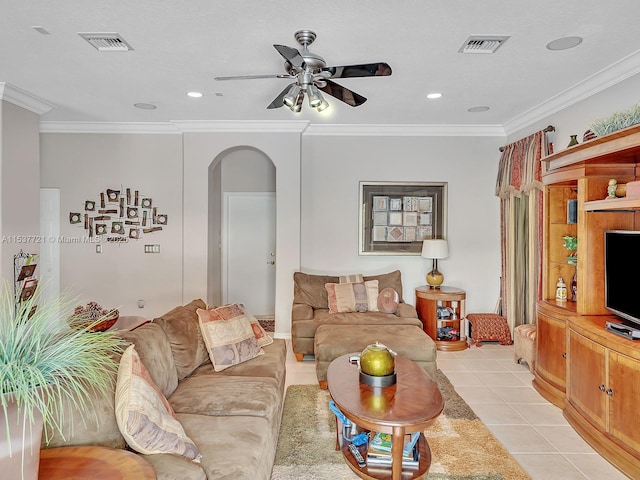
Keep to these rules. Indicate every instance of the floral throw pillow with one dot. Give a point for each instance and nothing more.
(228, 335)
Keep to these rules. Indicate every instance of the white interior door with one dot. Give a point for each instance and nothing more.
(49, 261)
(249, 250)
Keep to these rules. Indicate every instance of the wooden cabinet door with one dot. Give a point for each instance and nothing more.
(551, 363)
(624, 391)
(587, 378)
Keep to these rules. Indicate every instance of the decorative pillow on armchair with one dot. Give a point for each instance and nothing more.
(388, 300)
(144, 416)
(352, 297)
(228, 335)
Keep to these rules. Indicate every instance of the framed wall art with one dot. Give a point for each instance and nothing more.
(395, 217)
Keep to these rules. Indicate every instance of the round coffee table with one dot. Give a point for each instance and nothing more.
(411, 405)
(69, 463)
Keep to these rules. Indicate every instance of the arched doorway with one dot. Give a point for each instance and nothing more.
(242, 228)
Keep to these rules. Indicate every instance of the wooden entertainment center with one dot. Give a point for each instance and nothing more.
(592, 374)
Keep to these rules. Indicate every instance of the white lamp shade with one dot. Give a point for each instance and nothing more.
(435, 248)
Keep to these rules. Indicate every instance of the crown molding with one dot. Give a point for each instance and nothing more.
(605, 78)
(300, 127)
(221, 126)
(109, 127)
(408, 130)
(173, 127)
(23, 99)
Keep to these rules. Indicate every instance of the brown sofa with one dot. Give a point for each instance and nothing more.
(233, 416)
(311, 309)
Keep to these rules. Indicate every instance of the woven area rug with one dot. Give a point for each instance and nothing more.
(462, 448)
(267, 322)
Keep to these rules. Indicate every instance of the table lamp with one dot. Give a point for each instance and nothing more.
(435, 249)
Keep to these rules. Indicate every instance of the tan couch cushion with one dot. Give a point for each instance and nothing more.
(155, 352)
(182, 329)
(391, 279)
(310, 289)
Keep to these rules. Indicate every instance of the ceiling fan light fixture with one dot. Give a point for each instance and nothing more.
(291, 98)
(323, 105)
(297, 106)
(315, 98)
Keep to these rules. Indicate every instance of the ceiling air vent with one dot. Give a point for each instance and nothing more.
(106, 42)
(483, 43)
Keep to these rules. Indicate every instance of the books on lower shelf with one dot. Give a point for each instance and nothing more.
(379, 450)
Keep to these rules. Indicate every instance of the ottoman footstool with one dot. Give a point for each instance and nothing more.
(525, 345)
(410, 341)
(489, 327)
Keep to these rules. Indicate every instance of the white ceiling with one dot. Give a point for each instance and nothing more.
(180, 46)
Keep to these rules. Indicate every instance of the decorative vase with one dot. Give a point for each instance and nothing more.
(573, 286)
(573, 141)
(20, 451)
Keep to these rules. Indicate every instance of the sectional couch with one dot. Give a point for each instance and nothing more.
(233, 416)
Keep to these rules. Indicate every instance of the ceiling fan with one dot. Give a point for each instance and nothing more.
(311, 75)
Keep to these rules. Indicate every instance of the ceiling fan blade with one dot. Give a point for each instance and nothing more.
(291, 55)
(380, 69)
(343, 94)
(279, 100)
(251, 77)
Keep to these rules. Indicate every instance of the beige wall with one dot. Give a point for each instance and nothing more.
(82, 166)
(283, 148)
(19, 185)
(331, 171)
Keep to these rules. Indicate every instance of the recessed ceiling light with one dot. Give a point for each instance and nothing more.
(564, 43)
(145, 106)
(478, 109)
(194, 94)
(434, 95)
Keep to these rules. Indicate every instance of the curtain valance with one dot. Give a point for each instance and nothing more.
(520, 169)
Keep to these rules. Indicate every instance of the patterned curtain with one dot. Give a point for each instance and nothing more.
(519, 187)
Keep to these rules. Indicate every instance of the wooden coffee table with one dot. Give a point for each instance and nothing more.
(91, 462)
(411, 405)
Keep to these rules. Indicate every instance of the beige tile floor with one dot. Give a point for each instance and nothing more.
(500, 392)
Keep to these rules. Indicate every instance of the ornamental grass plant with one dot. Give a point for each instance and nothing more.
(47, 360)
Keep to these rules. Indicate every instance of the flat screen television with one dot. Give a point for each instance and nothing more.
(621, 266)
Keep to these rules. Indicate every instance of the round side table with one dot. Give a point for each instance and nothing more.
(450, 299)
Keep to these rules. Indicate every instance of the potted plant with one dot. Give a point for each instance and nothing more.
(571, 244)
(45, 362)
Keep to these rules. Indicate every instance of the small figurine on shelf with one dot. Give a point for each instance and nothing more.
(561, 290)
(611, 189)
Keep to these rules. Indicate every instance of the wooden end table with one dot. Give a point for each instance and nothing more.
(89, 462)
(427, 302)
(411, 405)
